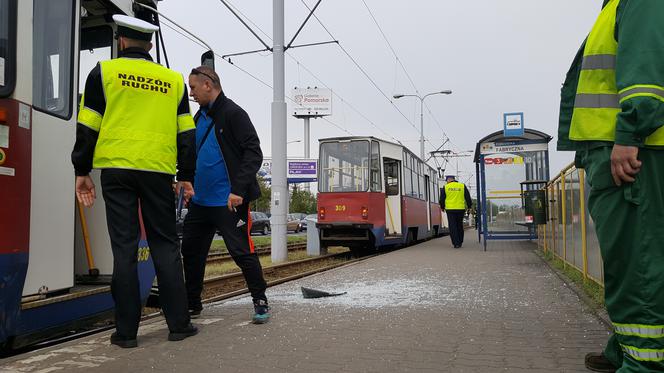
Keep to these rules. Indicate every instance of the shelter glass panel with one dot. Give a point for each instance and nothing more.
(503, 173)
(345, 166)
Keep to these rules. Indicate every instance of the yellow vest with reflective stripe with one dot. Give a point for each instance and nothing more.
(455, 196)
(597, 102)
(140, 124)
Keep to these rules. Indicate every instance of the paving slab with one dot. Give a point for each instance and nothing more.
(426, 308)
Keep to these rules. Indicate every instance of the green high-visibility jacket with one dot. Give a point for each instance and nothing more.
(639, 81)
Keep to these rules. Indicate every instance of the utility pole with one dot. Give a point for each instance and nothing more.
(280, 196)
(307, 143)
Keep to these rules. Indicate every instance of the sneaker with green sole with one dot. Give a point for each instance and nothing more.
(261, 312)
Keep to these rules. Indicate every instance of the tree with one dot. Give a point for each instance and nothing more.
(262, 204)
(303, 201)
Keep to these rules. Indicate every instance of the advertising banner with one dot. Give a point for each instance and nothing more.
(298, 170)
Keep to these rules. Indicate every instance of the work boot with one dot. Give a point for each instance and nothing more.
(596, 361)
(181, 334)
(261, 312)
(124, 342)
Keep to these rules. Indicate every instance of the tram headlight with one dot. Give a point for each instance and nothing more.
(321, 213)
(365, 213)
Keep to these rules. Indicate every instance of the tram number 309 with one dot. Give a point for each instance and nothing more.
(340, 208)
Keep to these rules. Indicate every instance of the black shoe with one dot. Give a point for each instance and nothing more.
(181, 334)
(596, 361)
(124, 342)
(194, 314)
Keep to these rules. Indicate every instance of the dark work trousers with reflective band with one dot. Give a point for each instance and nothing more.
(629, 221)
(200, 226)
(122, 190)
(455, 222)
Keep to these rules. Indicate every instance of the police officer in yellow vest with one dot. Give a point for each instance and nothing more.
(611, 114)
(134, 124)
(455, 200)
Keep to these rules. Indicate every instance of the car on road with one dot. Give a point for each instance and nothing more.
(303, 221)
(293, 223)
(260, 223)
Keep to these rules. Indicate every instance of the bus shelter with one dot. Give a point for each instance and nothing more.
(511, 172)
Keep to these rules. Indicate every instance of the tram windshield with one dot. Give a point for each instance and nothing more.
(344, 166)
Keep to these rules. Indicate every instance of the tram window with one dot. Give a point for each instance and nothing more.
(52, 45)
(95, 47)
(7, 47)
(344, 166)
(391, 177)
(407, 175)
(375, 167)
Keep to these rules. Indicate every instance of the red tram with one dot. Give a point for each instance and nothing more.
(373, 194)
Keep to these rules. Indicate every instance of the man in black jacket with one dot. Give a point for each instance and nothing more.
(228, 158)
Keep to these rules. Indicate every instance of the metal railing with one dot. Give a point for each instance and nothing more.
(569, 234)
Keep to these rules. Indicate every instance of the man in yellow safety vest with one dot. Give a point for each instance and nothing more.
(134, 124)
(455, 200)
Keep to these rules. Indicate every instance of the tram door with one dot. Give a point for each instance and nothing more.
(54, 41)
(96, 44)
(392, 169)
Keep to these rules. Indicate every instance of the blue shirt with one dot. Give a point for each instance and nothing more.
(211, 183)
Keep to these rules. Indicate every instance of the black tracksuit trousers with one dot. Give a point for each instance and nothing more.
(455, 221)
(122, 190)
(200, 226)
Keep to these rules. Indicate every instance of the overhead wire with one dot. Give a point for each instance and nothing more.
(304, 67)
(410, 79)
(362, 70)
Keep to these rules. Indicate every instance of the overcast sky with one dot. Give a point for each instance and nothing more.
(496, 56)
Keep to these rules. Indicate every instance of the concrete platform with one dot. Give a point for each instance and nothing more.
(427, 308)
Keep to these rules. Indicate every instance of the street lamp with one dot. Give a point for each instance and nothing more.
(398, 96)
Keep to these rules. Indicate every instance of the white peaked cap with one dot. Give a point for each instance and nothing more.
(134, 24)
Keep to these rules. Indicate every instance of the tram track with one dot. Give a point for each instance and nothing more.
(216, 257)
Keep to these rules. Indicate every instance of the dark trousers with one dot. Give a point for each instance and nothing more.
(200, 226)
(122, 190)
(455, 221)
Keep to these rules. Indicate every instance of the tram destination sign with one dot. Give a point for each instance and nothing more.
(312, 102)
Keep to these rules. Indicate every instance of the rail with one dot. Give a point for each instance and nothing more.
(569, 234)
(260, 250)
